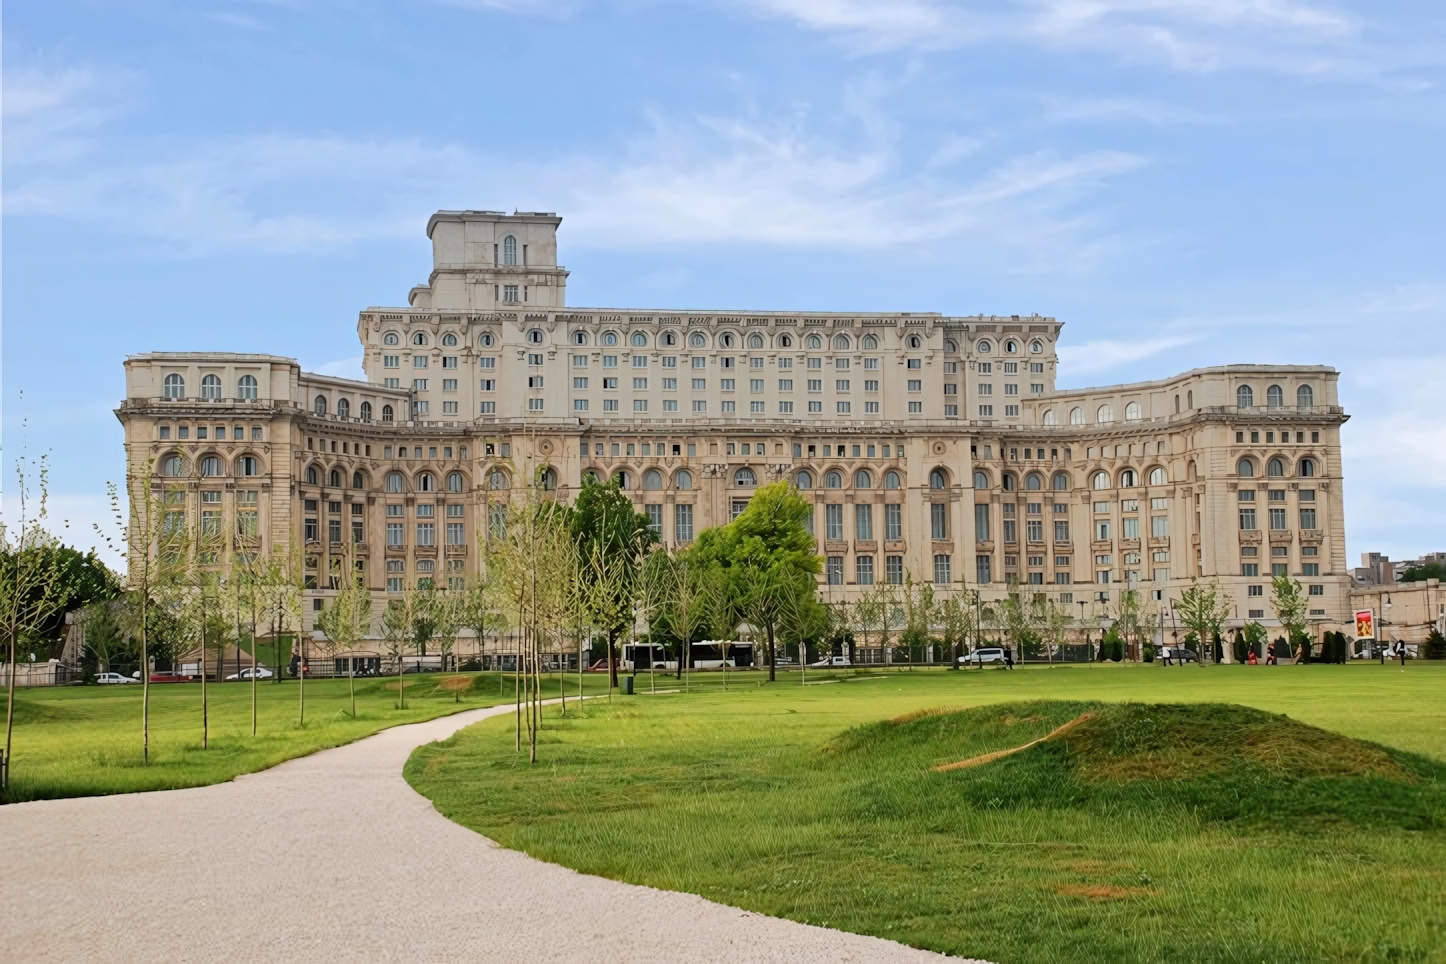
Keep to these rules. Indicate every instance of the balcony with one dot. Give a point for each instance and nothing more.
(1281, 537)
(1159, 542)
(456, 550)
(1251, 537)
(1312, 536)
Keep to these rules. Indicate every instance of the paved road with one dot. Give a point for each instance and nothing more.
(334, 857)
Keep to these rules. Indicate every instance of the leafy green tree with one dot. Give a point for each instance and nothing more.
(1202, 608)
(1430, 570)
(1435, 645)
(1255, 637)
(1288, 599)
(767, 557)
(104, 641)
(612, 540)
(347, 622)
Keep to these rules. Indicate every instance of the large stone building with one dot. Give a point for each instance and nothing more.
(932, 445)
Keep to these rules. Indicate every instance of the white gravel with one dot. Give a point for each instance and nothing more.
(334, 857)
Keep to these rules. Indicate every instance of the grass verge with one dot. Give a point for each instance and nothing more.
(801, 802)
(76, 741)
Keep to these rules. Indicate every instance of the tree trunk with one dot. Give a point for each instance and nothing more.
(772, 660)
(205, 723)
(612, 659)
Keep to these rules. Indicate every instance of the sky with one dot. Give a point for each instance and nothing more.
(1181, 182)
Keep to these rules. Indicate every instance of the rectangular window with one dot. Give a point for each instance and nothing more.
(449, 384)
(986, 411)
(579, 383)
(864, 523)
(1251, 569)
(757, 408)
(864, 570)
(579, 361)
(942, 574)
(396, 534)
(535, 404)
(655, 520)
(841, 364)
(670, 404)
(815, 407)
(785, 408)
(419, 361)
(916, 408)
(815, 384)
(486, 363)
(426, 534)
(1011, 411)
(489, 384)
(871, 408)
(871, 385)
(1102, 531)
(579, 404)
(1011, 389)
(1277, 519)
(683, 523)
(1310, 569)
(640, 361)
(755, 384)
(670, 361)
(981, 523)
(391, 361)
(729, 407)
(1278, 569)
(938, 520)
(419, 384)
(670, 384)
(1247, 519)
(1316, 590)
(835, 570)
(1034, 530)
(1011, 534)
(916, 385)
(449, 408)
(640, 384)
(985, 388)
(840, 384)
(981, 569)
(455, 534)
(1061, 531)
(1130, 527)
(1255, 590)
(449, 361)
(700, 405)
(509, 294)
(610, 361)
(700, 362)
(1159, 526)
(1307, 519)
(726, 384)
(893, 521)
(894, 570)
(842, 407)
(833, 522)
(785, 384)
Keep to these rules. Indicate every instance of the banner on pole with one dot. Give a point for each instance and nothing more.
(1366, 624)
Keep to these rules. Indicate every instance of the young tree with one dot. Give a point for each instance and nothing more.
(1203, 608)
(347, 622)
(1291, 607)
(1255, 636)
(397, 633)
(612, 540)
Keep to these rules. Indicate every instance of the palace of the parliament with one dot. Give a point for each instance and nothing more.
(931, 445)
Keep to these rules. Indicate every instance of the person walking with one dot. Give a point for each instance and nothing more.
(1008, 658)
(1401, 652)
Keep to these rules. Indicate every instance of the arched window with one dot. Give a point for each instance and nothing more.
(871, 342)
(804, 479)
(1305, 396)
(509, 250)
(497, 479)
(395, 482)
(173, 466)
(1011, 347)
(639, 339)
(449, 340)
(335, 479)
(785, 340)
(698, 340)
(487, 339)
(652, 480)
(841, 342)
(813, 342)
(683, 481)
(1306, 469)
(1101, 480)
(1133, 412)
(1033, 482)
(1036, 347)
(914, 341)
(425, 483)
(892, 480)
(833, 480)
(981, 481)
(319, 405)
(358, 481)
(1009, 482)
(454, 481)
(535, 336)
(669, 339)
(610, 338)
(863, 480)
(210, 466)
(548, 478)
(311, 477)
(1245, 469)
(211, 387)
(246, 388)
(1076, 416)
(949, 346)
(386, 413)
(1244, 396)
(938, 480)
(390, 338)
(1274, 396)
(1157, 476)
(984, 347)
(1275, 468)
(343, 408)
(248, 465)
(579, 338)
(755, 340)
(1129, 479)
(623, 480)
(174, 386)
(1060, 482)
(420, 338)
(366, 411)
(744, 477)
(1050, 418)
(1104, 416)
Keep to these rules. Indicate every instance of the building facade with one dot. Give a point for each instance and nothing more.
(934, 447)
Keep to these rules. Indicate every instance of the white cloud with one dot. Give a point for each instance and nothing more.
(1100, 356)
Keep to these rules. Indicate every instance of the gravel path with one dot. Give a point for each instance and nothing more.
(334, 857)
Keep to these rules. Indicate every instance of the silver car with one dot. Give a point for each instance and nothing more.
(110, 679)
(981, 656)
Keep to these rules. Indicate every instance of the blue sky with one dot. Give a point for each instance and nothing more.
(1182, 182)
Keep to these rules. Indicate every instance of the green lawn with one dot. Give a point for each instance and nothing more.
(75, 741)
(747, 799)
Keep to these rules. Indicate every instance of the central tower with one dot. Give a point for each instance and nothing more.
(486, 261)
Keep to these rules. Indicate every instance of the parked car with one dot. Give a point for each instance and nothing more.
(1178, 653)
(421, 668)
(981, 656)
(110, 679)
(832, 661)
(260, 672)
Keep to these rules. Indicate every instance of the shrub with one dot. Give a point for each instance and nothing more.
(1238, 650)
(1436, 645)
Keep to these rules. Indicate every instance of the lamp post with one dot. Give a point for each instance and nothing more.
(1385, 613)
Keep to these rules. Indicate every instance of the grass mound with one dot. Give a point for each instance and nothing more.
(1218, 761)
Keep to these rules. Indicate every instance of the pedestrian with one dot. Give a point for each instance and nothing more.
(1401, 651)
(1270, 655)
(1008, 658)
(1252, 660)
(1165, 652)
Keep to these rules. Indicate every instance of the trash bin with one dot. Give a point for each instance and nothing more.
(627, 682)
